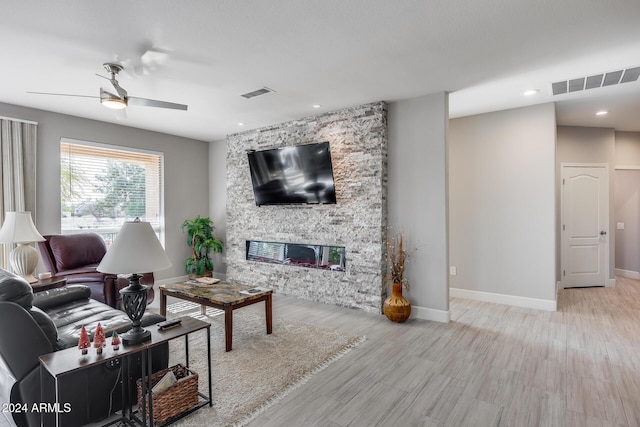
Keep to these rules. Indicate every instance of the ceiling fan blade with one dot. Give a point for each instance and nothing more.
(122, 93)
(106, 94)
(120, 114)
(64, 94)
(144, 102)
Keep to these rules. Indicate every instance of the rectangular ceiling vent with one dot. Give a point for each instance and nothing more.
(258, 92)
(597, 80)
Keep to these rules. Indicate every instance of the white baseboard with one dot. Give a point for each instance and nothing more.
(425, 313)
(538, 304)
(611, 283)
(628, 273)
(170, 280)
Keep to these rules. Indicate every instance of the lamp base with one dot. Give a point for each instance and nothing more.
(24, 260)
(134, 301)
(30, 278)
(136, 336)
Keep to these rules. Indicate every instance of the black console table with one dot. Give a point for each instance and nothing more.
(64, 362)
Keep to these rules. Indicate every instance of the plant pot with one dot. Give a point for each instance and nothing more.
(396, 307)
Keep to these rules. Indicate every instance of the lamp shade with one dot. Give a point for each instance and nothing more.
(18, 227)
(135, 249)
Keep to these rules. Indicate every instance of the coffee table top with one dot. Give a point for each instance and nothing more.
(220, 293)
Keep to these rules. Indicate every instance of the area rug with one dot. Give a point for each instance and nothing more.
(261, 369)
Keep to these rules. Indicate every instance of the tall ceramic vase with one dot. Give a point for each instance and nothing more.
(396, 307)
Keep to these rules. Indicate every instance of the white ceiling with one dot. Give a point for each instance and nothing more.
(336, 53)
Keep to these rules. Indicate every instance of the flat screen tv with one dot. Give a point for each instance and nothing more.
(297, 174)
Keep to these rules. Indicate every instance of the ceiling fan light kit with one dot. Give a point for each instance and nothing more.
(113, 102)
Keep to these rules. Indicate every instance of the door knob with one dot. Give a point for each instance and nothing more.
(603, 233)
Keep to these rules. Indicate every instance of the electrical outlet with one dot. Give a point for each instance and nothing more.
(113, 364)
(453, 270)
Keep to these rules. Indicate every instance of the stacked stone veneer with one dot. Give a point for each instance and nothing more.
(358, 143)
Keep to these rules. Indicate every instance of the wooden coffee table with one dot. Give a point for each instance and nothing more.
(223, 296)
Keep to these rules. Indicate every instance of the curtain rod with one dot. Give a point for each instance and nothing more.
(18, 120)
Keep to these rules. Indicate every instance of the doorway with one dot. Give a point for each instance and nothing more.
(585, 225)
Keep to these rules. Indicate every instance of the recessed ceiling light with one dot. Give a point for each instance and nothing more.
(240, 124)
(531, 92)
(316, 105)
(602, 113)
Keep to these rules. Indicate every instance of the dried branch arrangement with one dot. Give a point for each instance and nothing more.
(397, 257)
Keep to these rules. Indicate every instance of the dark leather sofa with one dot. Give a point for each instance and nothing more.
(76, 257)
(35, 324)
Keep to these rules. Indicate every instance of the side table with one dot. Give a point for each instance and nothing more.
(64, 362)
(46, 284)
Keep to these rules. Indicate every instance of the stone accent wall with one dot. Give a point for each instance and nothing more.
(358, 143)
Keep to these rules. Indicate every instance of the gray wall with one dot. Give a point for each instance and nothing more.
(218, 200)
(185, 176)
(417, 198)
(588, 145)
(627, 147)
(627, 207)
(502, 202)
(627, 203)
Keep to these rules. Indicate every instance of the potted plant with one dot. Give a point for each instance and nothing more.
(202, 242)
(396, 307)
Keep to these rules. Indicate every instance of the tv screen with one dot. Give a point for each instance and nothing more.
(293, 175)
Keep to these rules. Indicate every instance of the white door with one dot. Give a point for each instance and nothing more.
(585, 225)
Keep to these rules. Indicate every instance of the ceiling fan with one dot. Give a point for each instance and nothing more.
(117, 97)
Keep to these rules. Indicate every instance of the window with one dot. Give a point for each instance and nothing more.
(102, 186)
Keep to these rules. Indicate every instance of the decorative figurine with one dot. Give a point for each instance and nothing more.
(84, 343)
(115, 340)
(99, 340)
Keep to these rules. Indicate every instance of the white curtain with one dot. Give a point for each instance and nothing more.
(17, 171)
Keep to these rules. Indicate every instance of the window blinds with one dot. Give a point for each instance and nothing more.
(103, 186)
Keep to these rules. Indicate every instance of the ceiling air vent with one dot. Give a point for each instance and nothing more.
(559, 87)
(576, 84)
(595, 81)
(257, 93)
(630, 75)
(612, 78)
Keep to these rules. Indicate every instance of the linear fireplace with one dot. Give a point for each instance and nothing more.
(296, 254)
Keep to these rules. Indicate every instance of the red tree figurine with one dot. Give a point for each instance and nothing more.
(115, 340)
(99, 340)
(84, 343)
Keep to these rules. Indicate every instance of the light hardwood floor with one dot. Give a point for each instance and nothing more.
(492, 365)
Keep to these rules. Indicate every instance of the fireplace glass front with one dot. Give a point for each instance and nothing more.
(301, 255)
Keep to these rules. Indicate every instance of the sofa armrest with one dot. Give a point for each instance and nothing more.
(58, 296)
(46, 324)
(20, 354)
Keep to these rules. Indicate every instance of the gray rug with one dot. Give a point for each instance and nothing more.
(261, 369)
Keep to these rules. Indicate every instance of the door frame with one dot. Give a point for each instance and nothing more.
(607, 261)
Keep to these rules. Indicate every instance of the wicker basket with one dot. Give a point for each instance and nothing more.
(181, 396)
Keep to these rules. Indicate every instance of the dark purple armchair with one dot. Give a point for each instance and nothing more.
(76, 257)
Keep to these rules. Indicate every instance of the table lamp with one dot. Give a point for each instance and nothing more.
(19, 228)
(136, 248)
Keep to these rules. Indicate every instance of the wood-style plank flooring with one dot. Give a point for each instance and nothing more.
(492, 365)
